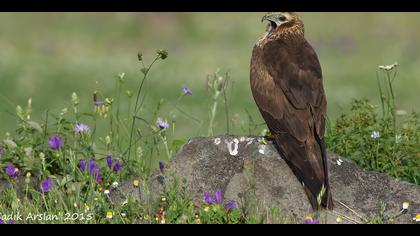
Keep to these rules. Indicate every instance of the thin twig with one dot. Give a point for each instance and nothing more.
(353, 211)
(347, 218)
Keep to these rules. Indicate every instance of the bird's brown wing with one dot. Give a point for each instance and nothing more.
(287, 86)
(295, 69)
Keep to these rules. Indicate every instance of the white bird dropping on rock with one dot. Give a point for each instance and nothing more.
(233, 151)
(249, 141)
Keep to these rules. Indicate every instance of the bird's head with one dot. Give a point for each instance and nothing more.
(282, 22)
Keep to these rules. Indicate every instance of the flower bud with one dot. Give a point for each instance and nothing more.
(163, 54)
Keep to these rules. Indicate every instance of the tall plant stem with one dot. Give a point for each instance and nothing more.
(226, 105)
(392, 102)
(136, 108)
(212, 115)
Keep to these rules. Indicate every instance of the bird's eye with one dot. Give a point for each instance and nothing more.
(282, 18)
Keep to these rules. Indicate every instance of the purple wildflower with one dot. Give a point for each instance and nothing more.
(310, 221)
(208, 198)
(1, 151)
(1, 221)
(109, 161)
(118, 166)
(163, 124)
(81, 128)
(161, 166)
(230, 205)
(56, 142)
(97, 174)
(99, 178)
(91, 165)
(186, 90)
(218, 197)
(46, 185)
(99, 103)
(82, 164)
(94, 170)
(10, 222)
(12, 171)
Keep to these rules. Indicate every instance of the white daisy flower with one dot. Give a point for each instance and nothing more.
(388, 67)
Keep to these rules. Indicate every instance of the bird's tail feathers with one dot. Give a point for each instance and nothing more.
(327, 201)
(314, 191)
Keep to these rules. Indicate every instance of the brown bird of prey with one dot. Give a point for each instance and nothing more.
(286, 82)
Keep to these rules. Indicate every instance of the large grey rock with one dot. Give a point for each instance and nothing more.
(241, 166)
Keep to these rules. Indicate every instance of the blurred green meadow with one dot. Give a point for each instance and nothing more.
(48, 56)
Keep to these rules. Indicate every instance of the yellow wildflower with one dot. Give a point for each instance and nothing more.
(87, 208)
(405, 205)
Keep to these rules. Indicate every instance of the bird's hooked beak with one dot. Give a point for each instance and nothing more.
(273, 22)
(265, 17)
(272, 18)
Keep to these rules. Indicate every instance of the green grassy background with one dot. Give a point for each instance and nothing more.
(47, 56)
